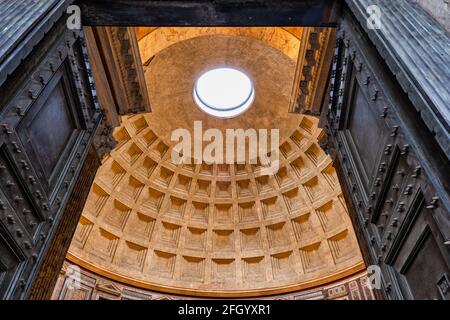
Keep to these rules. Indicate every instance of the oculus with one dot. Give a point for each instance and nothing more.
(224, 92)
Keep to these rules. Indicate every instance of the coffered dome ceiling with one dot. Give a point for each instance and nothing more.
(217, 230)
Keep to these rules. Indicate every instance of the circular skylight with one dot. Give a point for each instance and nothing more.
(224, 92)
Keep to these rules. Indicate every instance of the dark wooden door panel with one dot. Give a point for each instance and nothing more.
(366, 132)
(48, 120)
(49, 142)
(420, 261)
(391, 185)
(17, 198)
(9, 263)
(50, 128)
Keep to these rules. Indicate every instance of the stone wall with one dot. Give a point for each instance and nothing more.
(439, 9)
(75, 283)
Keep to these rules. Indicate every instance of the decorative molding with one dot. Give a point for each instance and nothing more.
(313, 58)
(26, 24)
(351, 287)
(444, 286)
(119, 79)
(119, 71)
(127, 62)
(417, 58)
(104, 141)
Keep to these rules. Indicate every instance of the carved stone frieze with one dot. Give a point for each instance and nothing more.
(119, 79)
(90, 286)
(128, 64)
(310, 80)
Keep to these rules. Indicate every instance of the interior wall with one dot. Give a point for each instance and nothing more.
(438, 9)
(75, 283)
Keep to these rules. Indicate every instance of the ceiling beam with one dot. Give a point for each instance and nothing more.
(210, 13)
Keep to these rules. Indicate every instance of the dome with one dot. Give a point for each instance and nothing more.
(217, 230)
